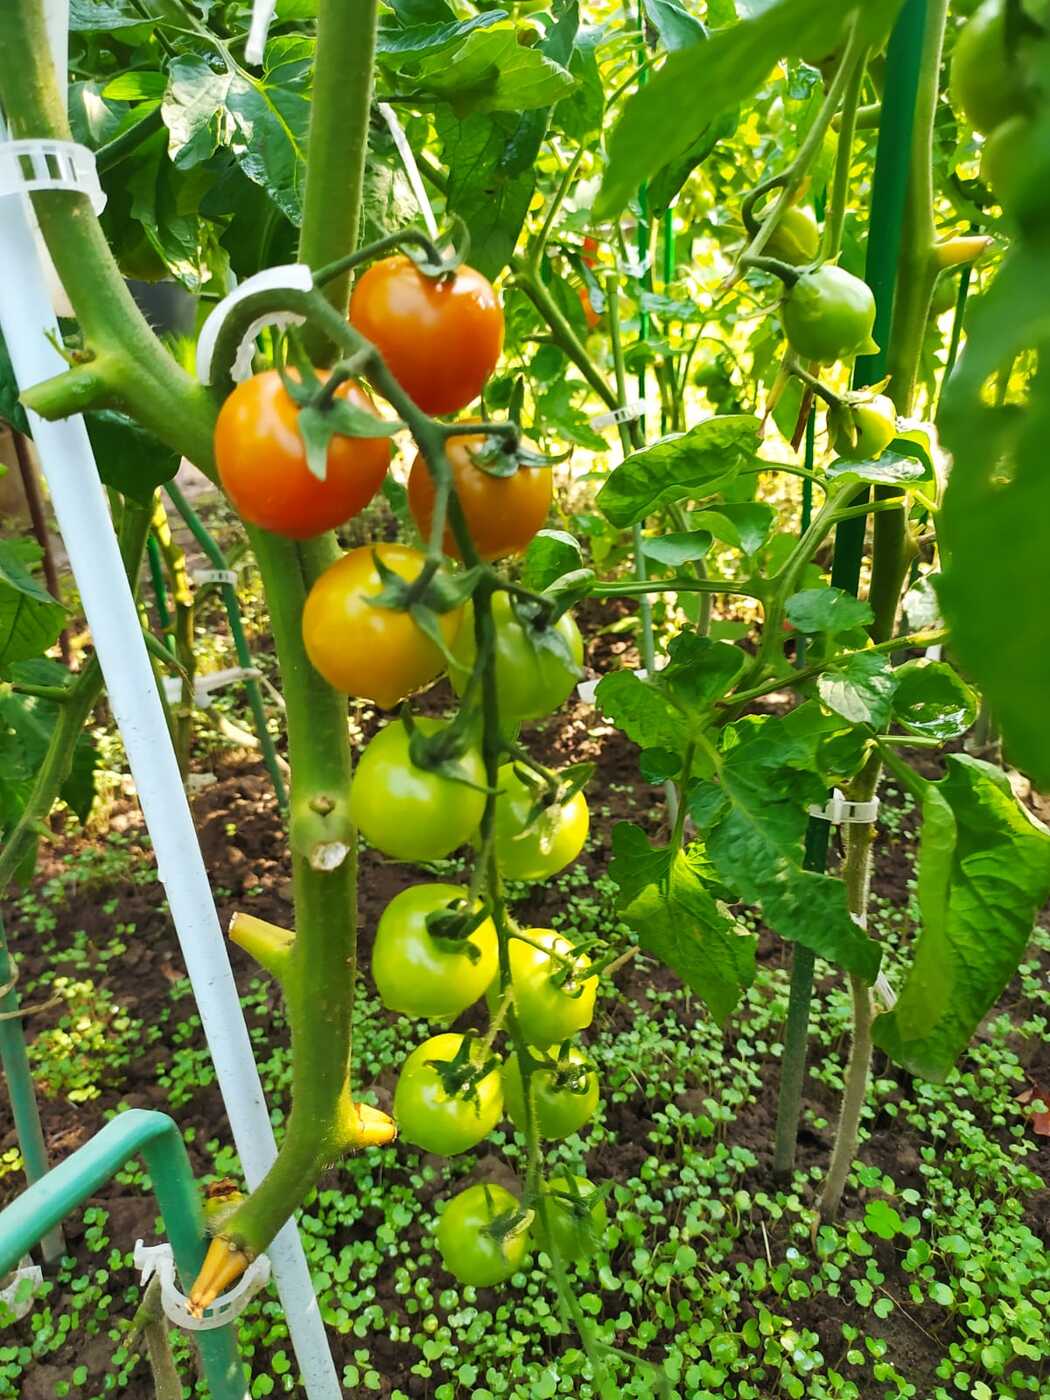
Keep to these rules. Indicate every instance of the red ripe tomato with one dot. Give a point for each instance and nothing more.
(262, 461)
(440, 336)
(586, 306)
(372, 653)
(502, 512)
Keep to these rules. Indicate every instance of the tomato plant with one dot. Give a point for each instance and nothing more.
(537, 665)
(553, 991)
(421, 973)
(471, 1250)
(441, 336)
(364, 649)
(503, 501)
(411, 812)
(536, 849)
(449, 1095)
(261, 458)
(565, 1094)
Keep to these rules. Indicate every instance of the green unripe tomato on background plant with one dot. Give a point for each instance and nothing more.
(430, 1117)
(412, 813)
(1003, 158)
(862, 431)
(828, 315)
(576, 1226)
(986, 81)
(469, 1249)
(531, 679)
(550, 1009)
(564, 1096)
(553, 840)
(418, 974)
(796, 238)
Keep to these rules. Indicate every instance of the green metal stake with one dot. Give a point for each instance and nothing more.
(20, 1087)
(160, 591)
(888, 198)
(156, 1138)
(244, 657)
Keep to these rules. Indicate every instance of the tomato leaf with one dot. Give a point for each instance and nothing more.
(677, 28)
(984, 874)
(551, 554)
(744, 525)
(933, 701)
(688, 464)
(860, 688)
(677, 549)
(129, 458)
(891, 469)
(491, 72)
(754, 821)
(670, 709)
(666, 899)
(829, 610)
(30, 619)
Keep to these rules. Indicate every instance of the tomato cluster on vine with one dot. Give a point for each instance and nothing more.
(382, 623)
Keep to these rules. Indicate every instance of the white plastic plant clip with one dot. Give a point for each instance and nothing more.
(295, 277)
(626, 413)
(40, 164)
(408, 160)
(227, 576)
(20, 1294)
(157, 1259)
(839, 811)
(262, 18)
(204, 686)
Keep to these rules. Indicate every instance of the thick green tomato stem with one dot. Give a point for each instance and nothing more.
(563, 334)
(318, 978)
(338, 141)
(392, 243)
(139, 372)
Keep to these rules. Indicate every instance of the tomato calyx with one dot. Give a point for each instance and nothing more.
(322, 414)
(461, 1075)
(549, 789)
(429, 596)
(440, 752)
(502, 453)
(451, 927)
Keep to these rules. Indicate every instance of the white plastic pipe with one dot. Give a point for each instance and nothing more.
(83, 517)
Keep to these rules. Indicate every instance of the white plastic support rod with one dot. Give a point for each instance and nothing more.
(79, 501)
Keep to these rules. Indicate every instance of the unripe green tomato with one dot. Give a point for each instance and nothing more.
(576, 1228)
(986, 83)
(431, 1118)
(531, 680)
(552, 842)
(828, 315)
(875, 426)
(470, 1252)
(549, 1009)
(1004, 160)
(562, 1107)
(416, 973)
(796, 238)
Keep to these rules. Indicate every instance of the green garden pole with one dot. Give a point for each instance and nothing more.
(160, 591)
(155, 1137)
(888, 199)
(24, 1109)
(211, 548)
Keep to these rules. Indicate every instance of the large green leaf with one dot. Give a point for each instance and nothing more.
(860, 688)
(395, 42)
(30, 619)
(932, 700)
(754, 820)
(666, 897)
(102, 16)
(677, 28)
(830, 610)
(698, 84)
(491, 72)
(129, 459)
(672, 708)
(984, 873)
(994, 528)
(691, 464)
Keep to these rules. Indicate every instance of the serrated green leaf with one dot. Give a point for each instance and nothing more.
(860, 689)
(744, 525)
(830, 610)
(129, 458)
(491, 72)
(891, 469)
(672, 708)
(933, 700)
(665, 899)
(692, 464)
(984, 873)
(550, 555)
(396, 42)
(30, 619)
(754, 821)
(674, 550)
(677, 28)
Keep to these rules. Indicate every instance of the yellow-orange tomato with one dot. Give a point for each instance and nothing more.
(502, 512)
(440, 336)
(373, 653)
(262, 461)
